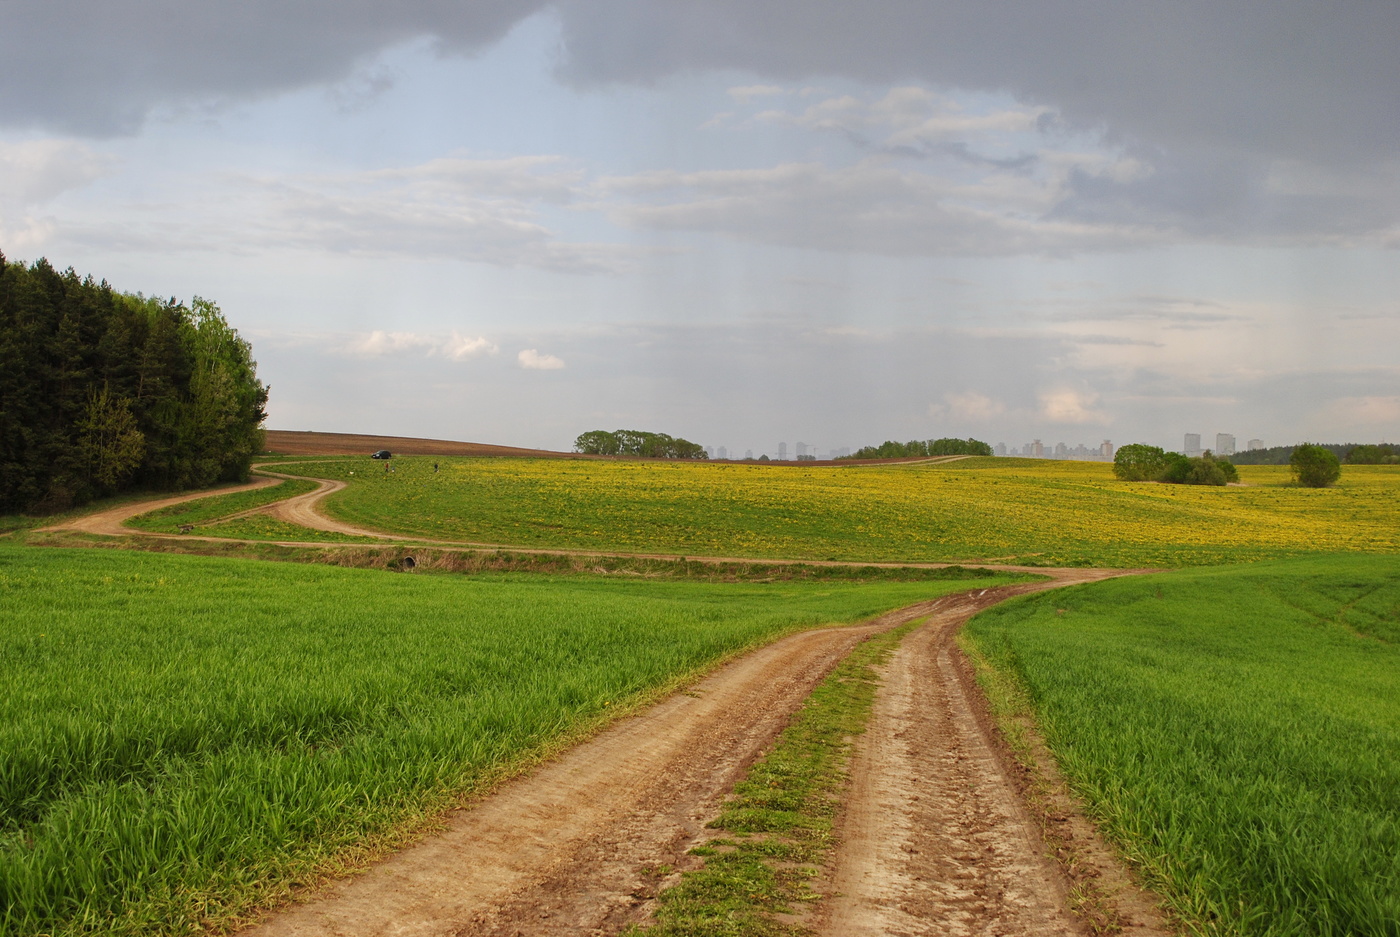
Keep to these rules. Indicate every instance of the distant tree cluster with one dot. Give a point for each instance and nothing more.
(1139, 463)
(1373, 455)
(637, 442)
(1280, 455)
(102, 391)
(922, 447)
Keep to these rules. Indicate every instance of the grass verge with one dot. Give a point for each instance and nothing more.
(1232, 731)
(776, 831)
(375, 554)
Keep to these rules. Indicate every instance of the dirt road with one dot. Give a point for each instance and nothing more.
(110, 521)
(301, 509)
(935, 837)
(562, 851)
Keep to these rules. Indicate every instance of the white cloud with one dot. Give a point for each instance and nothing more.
(379, 344)
(462, 347)
(34, 173)
(1065, 405)
(531, 360)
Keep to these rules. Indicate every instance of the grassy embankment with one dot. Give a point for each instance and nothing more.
(1235, 730)
(184, 738)
(1010, 510)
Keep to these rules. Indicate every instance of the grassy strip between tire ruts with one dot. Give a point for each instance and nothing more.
(777, 830)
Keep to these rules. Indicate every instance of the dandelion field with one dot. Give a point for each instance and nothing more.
(183, 738)
(1036, 512)
(1235, 730)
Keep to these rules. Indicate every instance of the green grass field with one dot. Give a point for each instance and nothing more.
(1236, 730)
(1008, 510)
(184, 737)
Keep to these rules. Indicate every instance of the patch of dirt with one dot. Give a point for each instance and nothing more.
(287, 442)
(935, 834)
(567, 848)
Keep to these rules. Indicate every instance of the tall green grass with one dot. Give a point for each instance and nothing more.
(1237, 731)
(182, 738)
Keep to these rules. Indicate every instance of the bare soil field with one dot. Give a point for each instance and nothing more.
(288, 442)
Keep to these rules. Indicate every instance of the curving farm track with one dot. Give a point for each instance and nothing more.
(934, 837)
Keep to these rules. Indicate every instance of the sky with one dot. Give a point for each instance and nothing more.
(742, 223)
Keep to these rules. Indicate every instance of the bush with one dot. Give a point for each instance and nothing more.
(1141, 463)
(1138, 462)
(1314, 466)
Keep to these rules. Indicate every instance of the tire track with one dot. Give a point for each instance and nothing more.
(935, 837)
(563, 850)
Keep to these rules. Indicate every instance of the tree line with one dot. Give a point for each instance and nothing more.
(638, 443)
(922, 447)
(1349, 452)
(103, 391)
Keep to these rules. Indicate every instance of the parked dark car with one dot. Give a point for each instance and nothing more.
(382, 454)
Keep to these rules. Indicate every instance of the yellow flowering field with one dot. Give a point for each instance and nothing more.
(1006, 510)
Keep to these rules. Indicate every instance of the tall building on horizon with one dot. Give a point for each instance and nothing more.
(1256, 444)
(1106, 450)
(1193, 444)
(721, 453)
(782, 452)
(1224, 444)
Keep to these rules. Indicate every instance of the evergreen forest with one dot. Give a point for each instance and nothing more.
(103, 391)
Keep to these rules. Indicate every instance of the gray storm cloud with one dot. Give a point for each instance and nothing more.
(1313, 81)
(1290, 79)
(100, 68)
